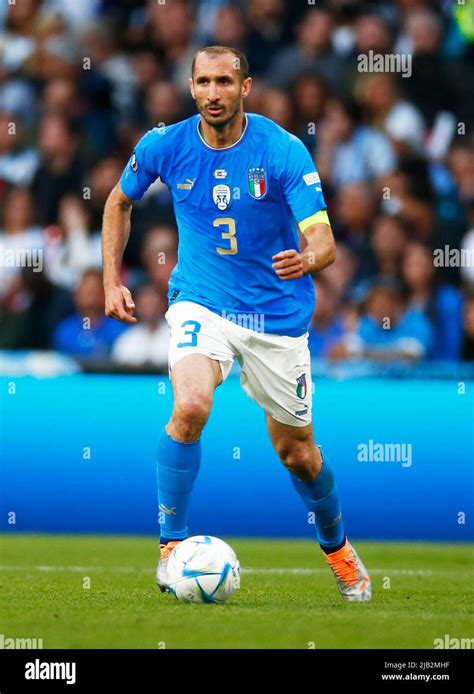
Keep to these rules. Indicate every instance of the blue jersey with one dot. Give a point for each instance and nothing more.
(235, 208)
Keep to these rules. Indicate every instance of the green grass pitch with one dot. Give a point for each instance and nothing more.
(288, 597)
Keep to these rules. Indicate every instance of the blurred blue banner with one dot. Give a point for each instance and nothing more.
(78, 455)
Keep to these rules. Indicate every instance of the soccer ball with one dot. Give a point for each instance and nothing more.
(203, 569)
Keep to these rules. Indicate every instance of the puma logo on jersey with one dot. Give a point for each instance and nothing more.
(189, 185)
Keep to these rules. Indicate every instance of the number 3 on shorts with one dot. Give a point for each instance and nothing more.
(193, 333)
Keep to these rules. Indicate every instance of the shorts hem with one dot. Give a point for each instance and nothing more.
(281, 419)
(204, 354)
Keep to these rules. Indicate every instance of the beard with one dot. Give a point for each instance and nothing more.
(221, 119)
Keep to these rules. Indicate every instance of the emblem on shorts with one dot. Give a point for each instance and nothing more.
(301, 388)
(257, 180)
(221, 196)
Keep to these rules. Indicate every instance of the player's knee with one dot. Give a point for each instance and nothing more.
(298, 457)
(190, 416)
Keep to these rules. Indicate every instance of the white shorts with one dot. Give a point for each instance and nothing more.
(275, 369)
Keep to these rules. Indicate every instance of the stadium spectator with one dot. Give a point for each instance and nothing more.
(102, 178)
(229, 28)
(60, 170)
(75, 15)
(69, 246)
(402, 122)
(429, 86)
(276, 104)
(159, 255)
(20, 36)
(327, 326)
(109, 77)
(340, 275)
(347, 150)
(269, 31)
(40, 306)
(163, 105)
(21, 239)
(87, 333)
(353, 215)
(388, 330)
(169, 29)
(18, 162)
(147, 70)
(406, 192)
(18, 97)
(387, 244)
(370, 34)
(147, 342)
(461, 165)
(440, 303)
(310, 94)
(311, 52)
(61, 98)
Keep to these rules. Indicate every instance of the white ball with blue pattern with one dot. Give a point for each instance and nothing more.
(203, 569)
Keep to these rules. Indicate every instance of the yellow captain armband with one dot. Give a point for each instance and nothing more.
(320, 217)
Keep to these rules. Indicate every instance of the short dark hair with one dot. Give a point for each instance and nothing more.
(241, 60)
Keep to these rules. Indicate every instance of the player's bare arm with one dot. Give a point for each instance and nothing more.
(115, 233)
(318, 254)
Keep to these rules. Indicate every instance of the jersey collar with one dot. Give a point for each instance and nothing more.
(222, 149)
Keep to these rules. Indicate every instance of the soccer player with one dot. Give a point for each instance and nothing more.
(241, 289)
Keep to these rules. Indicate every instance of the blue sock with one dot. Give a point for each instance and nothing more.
(177, 468)
(322, 498)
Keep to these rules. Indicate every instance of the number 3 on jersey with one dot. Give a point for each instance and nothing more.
(229, 234)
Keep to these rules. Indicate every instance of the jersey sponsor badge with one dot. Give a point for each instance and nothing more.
(220, 173)
(257, 181)
(311, 178)
(133, 162)
(221, 196)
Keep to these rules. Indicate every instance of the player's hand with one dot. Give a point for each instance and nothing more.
(119, 304)
(289, 265)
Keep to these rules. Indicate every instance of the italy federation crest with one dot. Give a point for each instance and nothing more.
(257, 182)
(221, 196)
(301, 388)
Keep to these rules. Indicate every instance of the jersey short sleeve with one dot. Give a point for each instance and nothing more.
(144, 166)
(301, 184)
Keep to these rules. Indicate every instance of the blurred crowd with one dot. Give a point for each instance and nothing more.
(80, 82)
